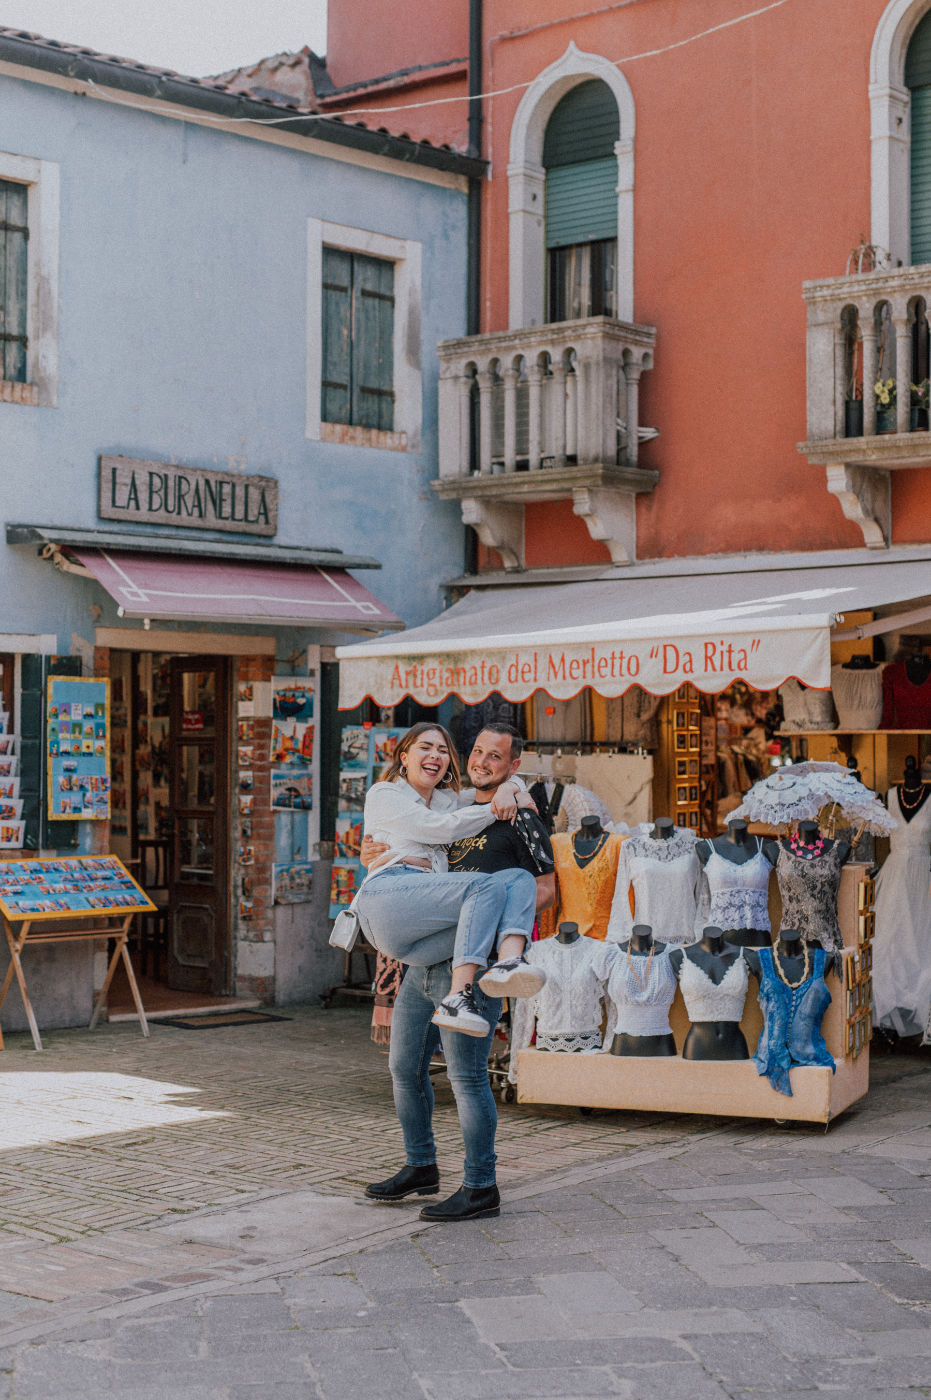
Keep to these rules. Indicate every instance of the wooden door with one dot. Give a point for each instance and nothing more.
(199, 854)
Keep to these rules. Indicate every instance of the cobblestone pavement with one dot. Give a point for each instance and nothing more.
(181, 1218)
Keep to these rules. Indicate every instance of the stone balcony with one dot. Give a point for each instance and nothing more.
(862, 328)
(546, 413)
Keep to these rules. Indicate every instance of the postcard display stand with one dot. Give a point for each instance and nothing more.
(67, 901)
(733, 1088)
(78, 749)
(294, 782)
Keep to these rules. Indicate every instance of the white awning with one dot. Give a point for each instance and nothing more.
(655, 630)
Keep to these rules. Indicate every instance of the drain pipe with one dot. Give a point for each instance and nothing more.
(473, 280)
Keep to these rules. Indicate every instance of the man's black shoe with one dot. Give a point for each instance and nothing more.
(468, 1203)
(409, 1181)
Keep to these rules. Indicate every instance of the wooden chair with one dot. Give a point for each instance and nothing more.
(153, 927)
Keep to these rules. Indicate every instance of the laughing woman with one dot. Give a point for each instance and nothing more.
(410, 905)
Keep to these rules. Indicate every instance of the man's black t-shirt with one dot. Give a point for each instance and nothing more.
(501, 846)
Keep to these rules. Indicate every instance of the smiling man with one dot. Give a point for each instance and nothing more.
(495, 757)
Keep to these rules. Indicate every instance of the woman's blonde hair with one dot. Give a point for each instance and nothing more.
(451, 779)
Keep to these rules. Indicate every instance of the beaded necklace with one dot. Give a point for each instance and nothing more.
(781, 972)
(910, 806)
(804, 852)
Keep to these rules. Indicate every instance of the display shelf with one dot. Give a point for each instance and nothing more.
(826, 733)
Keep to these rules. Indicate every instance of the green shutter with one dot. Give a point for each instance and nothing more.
(581, 166)
(337, 323)
(584, 126)
(581, 202)
(372, 343)
(918, 79)
(14, 235)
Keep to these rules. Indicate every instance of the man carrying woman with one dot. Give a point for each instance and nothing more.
(416, 1030)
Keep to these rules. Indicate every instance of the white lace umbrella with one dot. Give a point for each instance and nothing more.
(800, 791)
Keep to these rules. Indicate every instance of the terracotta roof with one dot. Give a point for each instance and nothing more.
(222, 95)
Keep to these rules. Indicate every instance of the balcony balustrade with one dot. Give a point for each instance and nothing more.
(862, 330)
(544, 413)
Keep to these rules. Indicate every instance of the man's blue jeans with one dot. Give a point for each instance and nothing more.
(413, 1041)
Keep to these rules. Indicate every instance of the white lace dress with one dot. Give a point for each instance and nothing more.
(665, 877)
(635, 1009)
(858, 696)
(568, 1011)
(902, 939)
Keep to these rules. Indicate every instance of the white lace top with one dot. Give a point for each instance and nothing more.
(636, 1010)
(738, 894)
(705, 1001)
(858, 696)
(804, 708)
(568, 1010)
(665, 876)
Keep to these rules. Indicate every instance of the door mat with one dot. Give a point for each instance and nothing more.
(218, 1020)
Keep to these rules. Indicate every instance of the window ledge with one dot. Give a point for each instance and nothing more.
(352, 436)
(13, 392)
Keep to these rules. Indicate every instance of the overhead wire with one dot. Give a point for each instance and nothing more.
(303, 115)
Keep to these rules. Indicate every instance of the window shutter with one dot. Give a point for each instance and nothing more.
(581, 166)
(14, 234)
(581, 202)
(918, 79)
(337, 322)
(373, 343)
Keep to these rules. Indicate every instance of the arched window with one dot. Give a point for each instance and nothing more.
(581, 203)
(918, 82)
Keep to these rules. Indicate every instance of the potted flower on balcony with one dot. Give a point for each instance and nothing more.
(885, 393)
(919, 395)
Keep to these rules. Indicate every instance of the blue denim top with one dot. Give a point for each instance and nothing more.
(792, 1019)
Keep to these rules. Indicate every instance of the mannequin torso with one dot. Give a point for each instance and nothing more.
(739, 848)
(640, 950)
(716, 959)
(912, 792)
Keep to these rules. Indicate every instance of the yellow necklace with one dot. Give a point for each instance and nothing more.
(780, 970)
(633, 971)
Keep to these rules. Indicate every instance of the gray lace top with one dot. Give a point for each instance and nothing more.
(809, 895)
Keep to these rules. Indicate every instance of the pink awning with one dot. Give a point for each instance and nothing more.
(185, 589)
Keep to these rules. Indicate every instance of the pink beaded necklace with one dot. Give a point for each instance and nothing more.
(798, 848)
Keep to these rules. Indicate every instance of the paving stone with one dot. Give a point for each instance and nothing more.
(800, 1331)
(367, 1373)
(738, 1361)
(571, 1384)
(906, 1281)
(874, 1313)
(613, 1352)
(755, 1226)
(670, 1382)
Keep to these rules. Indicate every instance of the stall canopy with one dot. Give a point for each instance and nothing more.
(183, 588)
(657, 631)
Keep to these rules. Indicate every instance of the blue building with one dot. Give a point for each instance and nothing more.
(218, 418)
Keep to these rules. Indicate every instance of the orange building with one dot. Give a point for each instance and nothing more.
(704, 236)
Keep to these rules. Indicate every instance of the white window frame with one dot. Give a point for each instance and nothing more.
(890, 130)
(527, 184)
(406, 254)
(43, 215)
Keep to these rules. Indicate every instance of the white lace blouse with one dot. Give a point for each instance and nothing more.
(665, 876)
(635, 1009)
(706, 1000)
(858, 696)
(568, 1010)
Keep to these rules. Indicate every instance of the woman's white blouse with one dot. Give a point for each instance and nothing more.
(568, 1009)
(396, 814)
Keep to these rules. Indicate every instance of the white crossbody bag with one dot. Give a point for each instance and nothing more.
(346, 926)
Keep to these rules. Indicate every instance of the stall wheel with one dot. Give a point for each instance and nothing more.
(508, 1093)
(586, 1112)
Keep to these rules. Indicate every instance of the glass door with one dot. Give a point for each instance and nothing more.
(199, 854)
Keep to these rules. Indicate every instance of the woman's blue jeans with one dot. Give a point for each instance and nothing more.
(421, 919)
(413, 1041)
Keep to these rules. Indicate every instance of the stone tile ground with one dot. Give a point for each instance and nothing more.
(182, 1218)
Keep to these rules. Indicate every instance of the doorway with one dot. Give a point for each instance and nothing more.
(170, 814)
